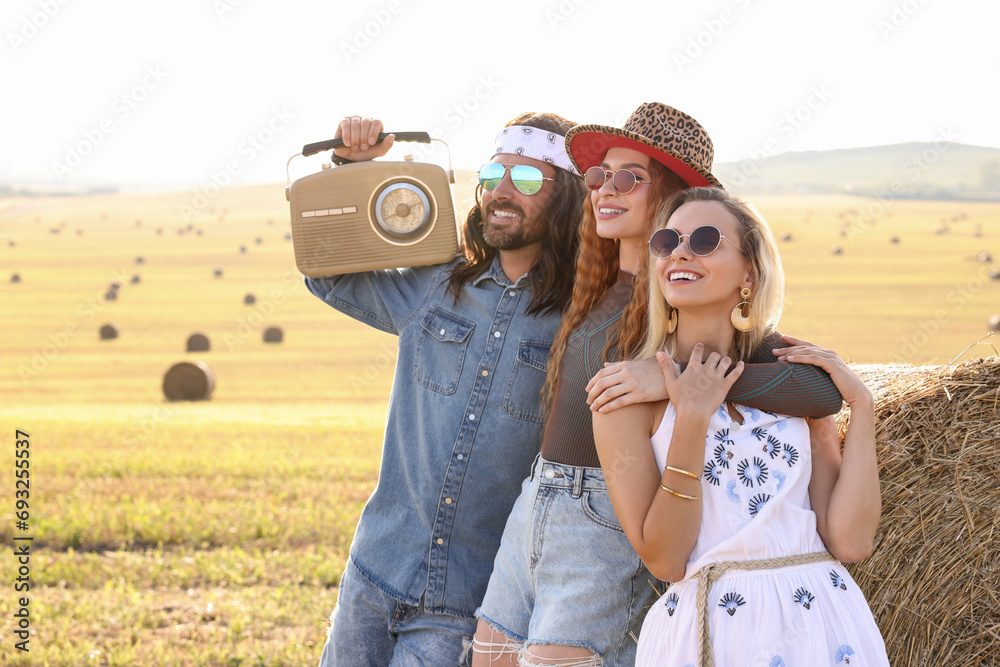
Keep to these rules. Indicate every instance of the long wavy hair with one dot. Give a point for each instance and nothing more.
(551, 279)
(760, 251)
(597, 270)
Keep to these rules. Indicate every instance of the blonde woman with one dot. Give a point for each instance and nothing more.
(729, 502)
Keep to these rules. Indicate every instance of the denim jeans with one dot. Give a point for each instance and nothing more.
(369, 628)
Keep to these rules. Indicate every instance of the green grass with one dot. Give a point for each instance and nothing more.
(214, 533)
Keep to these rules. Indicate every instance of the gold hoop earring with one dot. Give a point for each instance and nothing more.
(671, 319)
(741, 313)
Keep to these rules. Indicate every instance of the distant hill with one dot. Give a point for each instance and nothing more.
(905, 171)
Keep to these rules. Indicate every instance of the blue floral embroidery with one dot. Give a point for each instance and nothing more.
(843, 654)
(722, 456)
(777, 661)
(671, 604)
(759, 433)
(752, 473)
(713, 472)
(732, 601)
(781, 477)
(804, 597)
(791, 455)
(723, 437)
(731, 494)
(754, 414)
(782, 425)
(757, 502)
(772, 447)
(838, 581)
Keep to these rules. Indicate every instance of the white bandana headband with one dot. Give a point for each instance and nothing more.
(535, 143)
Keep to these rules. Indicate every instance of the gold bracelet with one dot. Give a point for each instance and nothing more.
(679, 495)
(684, 472)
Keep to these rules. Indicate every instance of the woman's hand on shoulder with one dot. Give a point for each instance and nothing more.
(360, 134)
(850, 385)
(625, 383)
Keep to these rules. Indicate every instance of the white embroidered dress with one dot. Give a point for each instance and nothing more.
(755, 505)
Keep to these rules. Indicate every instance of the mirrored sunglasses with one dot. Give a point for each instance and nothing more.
(702, 241)
(527, 179)
(623, 180)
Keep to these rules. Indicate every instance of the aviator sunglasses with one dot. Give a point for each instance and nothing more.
(527, 179)
(702, 242)
(623, 180)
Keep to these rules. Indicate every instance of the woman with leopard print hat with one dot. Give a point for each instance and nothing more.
(567, 586)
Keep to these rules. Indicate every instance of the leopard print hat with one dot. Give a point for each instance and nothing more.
(665, 134)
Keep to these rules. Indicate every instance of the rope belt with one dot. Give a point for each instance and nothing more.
(709, 574)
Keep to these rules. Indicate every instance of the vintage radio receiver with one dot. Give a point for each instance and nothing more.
(371, 215)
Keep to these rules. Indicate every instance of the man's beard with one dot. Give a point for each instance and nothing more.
(509, 237)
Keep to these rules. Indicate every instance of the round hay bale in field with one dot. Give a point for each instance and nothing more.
(258, 240)
(11, 243)
(994, 322)
(894, 240)
(217, 273)
(198, 342)
(837, 250)
(15, 277)
(79, 232)
(198, 232)
(140, 260)
(243, 249)
(249, 299)
(189, 381)
(109, 331)
(273, 335)
(787, 236)
(136, 279)
(288, 237)
(932, 577)
(111, 295)
(994, 274)
(159, 231)
(115, 286)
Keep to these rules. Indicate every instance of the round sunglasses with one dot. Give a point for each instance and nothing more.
(623, 180)
(702, 242)
(527, 179)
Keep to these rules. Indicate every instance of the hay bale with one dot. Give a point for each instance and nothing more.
(111, 295)
(115, 286)
(994, 274)
(13, 243)
(249, 299)
(932, 578)
(787, 236)
(288, 237)
(258, 240)
(159, 231)
(894, 240)
(189, 381)
(273, 335)
(198, 342)
(140, 260)
(837, 250)
(136, 279)
(994, 322)
(217, 273)
(15, 277)
(243, 249)
(108, 331)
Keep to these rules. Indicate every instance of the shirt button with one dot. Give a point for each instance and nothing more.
(511, 293)
(460, 457)
(496, 334)
(440, 541)
(447, 501)
(485, 373)
(472, 418)
(550, 473)
(442, 332)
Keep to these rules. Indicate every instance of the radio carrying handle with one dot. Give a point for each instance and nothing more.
(319, 146)
(329, 144)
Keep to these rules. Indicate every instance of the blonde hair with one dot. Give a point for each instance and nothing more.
(760, 252)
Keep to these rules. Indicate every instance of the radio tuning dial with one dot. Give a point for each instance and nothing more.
(402, 209)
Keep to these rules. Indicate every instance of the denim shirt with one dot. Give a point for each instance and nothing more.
(463, 426)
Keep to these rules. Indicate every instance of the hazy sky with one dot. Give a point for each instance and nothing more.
(178, 93)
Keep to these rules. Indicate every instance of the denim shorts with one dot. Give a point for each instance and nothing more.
(565, 572)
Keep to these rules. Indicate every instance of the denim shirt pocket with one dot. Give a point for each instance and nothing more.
(440, 354)
(523, 397)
